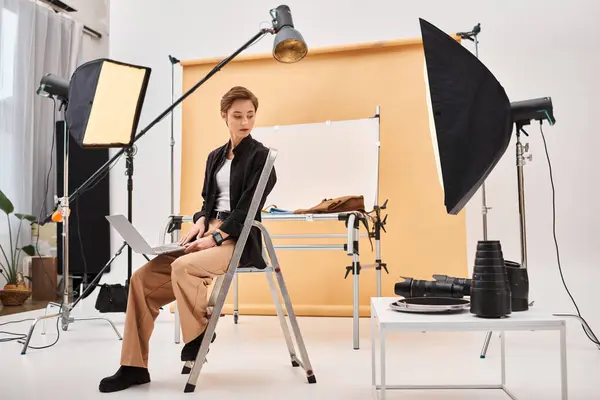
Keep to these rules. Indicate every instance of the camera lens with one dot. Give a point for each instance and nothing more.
(420, 288)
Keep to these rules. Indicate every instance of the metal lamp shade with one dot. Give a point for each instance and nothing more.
(105, 102)
(289, 46)
(471, 114)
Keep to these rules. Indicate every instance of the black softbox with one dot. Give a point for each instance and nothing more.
(105, 102)
(471, 114)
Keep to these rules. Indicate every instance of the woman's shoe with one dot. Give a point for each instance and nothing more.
(190, 350)
(125, 377)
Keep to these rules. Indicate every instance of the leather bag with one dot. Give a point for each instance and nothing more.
(112, 298)
(336, 205)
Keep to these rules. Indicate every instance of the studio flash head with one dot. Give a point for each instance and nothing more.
(523, 112)
(53, 85)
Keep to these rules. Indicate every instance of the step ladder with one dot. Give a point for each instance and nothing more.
(223, 284)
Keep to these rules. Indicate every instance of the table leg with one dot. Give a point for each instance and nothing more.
(503, 366)
(563, 362)
(382, 355)
(503, 357)
(373, 369)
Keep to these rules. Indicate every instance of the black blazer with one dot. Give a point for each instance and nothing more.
(249, 158)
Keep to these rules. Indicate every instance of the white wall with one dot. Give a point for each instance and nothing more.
(94, 15)
(535, 48)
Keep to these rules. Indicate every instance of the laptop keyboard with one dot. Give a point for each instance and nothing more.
(167, 247)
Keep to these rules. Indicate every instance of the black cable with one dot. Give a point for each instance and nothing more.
(589, 334)
(46, 188)
(20, 337)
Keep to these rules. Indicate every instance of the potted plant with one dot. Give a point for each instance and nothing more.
(15, 291)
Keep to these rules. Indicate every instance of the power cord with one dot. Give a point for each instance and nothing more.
(588, 331)
(20, 337)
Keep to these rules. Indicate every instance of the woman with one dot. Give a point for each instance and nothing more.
(232, 174)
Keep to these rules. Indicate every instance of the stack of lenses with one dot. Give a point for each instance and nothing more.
(490, 289)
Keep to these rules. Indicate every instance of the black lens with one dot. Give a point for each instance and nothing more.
(490, 288)
(420, 288)
(489, 245)
(519, 286)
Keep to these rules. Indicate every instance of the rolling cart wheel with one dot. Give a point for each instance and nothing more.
(235, 319)
(312, 379)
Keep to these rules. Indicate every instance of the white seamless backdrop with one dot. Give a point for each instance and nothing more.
(535, 48)
(319, 143)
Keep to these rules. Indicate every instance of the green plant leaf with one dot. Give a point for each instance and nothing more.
(29, 250)
(5, 204)
(28, 217)
(8, 264)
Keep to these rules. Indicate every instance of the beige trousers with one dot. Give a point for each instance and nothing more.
(177, 276)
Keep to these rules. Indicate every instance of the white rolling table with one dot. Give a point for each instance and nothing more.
(389, 320)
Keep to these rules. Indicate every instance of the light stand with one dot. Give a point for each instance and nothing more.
(472, 36)
(129, 153)
(522, 156)
(64, 307)
(288, 47)
(173, 61)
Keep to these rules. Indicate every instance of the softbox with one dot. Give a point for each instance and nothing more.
(105, 102)
(471, 114)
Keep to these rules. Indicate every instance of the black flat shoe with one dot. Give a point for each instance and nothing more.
(125, 377)
(191, 349)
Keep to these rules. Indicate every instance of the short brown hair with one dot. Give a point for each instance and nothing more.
(237, 93)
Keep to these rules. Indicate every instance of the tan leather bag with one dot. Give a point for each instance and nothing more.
(337, 205)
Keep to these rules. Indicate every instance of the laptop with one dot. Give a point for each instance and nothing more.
(136, 241)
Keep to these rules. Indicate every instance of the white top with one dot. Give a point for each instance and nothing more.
(223, 202)
(532, 319)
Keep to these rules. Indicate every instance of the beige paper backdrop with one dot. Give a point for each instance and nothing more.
(338, 83)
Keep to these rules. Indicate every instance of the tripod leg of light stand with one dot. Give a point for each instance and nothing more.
(486, 343)
(65, 310)
(100, 319)
(51, 304)
(32, 327)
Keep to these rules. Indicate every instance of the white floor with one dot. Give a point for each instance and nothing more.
(250, 361)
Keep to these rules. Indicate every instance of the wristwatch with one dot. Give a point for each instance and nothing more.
(218, 238)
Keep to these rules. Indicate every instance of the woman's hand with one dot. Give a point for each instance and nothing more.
(200, 244)
(196, 230)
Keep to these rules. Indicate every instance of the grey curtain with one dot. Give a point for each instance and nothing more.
(34, 41)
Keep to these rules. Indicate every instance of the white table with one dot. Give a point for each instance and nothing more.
(389, 320)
